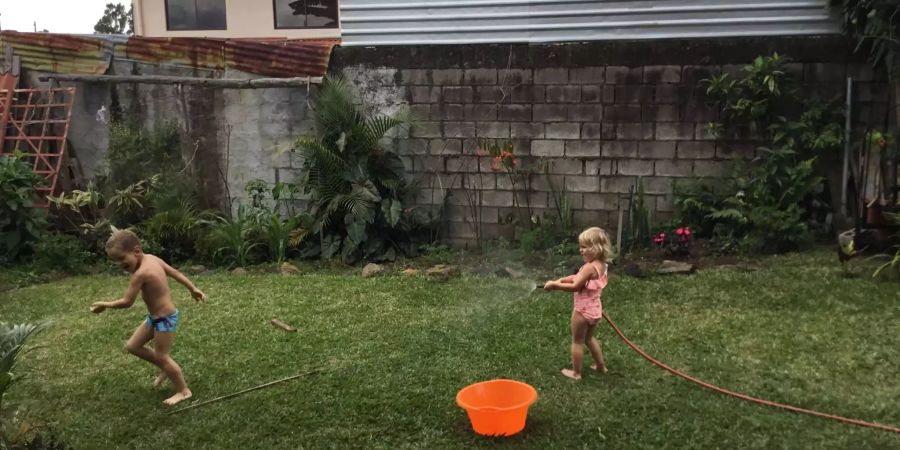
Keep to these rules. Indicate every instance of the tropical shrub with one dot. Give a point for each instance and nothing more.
(235, 239)
(63, 252)
(20, 222)
(359, 193)
(758, 209)
(134, 151)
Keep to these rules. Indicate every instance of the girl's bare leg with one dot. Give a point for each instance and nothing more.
(593, 346)
(579, 331)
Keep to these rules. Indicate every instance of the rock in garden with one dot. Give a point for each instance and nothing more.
(668, 267)
(371, 270)
(483, 270)
(239, 271)
(441, 272)
(289, 269)
(197, 269)
(410, 272)
(633, 270)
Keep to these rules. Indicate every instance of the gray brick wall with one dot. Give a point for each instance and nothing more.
(597, 129)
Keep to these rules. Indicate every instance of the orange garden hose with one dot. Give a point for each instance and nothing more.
(743, 396)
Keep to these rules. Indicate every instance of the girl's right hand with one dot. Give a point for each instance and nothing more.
(549, 286)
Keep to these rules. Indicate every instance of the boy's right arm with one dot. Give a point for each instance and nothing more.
(134, 287)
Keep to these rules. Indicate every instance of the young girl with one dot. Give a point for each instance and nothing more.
(587, 285)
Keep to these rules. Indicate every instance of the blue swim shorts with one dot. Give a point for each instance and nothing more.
(166, 324)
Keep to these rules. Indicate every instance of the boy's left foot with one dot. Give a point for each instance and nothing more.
(569, 373)
(160, 379)
(183, 395)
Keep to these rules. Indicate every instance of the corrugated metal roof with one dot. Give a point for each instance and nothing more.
(70, 54)
(400, 22)
(59, 53)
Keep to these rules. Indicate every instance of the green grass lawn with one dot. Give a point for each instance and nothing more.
(392, 353)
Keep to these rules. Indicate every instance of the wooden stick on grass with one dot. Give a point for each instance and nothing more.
(283, 326)
(246, 390)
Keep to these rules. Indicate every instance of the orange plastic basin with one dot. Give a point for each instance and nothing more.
(497, 407)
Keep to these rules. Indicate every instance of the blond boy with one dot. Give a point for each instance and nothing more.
(149, 277)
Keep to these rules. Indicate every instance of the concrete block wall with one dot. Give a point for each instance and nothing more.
(597, 115)
(231, 136)
(598, 120)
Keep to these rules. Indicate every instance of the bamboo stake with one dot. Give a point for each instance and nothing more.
(197, 405)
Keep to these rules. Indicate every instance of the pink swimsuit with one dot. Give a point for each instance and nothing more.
(587, 300)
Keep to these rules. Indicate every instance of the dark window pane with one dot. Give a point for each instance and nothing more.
(211, 14)
(306, 14)
(196, 14)
(181, 14)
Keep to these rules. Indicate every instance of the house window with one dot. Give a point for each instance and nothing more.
(306, 13)
(195, 15)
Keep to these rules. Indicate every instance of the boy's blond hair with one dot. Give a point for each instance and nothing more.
(597, 242)
(123, 240)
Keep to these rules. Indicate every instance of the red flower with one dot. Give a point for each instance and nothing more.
(496, 164)
(687, 231)
(679, 231)
(480, 152)
(882, 142)
(515, 162)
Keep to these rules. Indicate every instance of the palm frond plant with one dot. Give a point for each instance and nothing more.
(358, 187)
(12, 345)
(279, 235)
(235, 238)
(177, 226)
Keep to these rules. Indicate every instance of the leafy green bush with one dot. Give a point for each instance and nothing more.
(538, 237)
(776, 230)
(758, 208)
(20, 222)
(358, 186)
(134, 151)
(63, 252)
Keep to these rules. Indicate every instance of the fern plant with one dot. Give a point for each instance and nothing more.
(357, 185)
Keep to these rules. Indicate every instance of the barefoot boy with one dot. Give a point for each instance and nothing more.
(149, 278)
